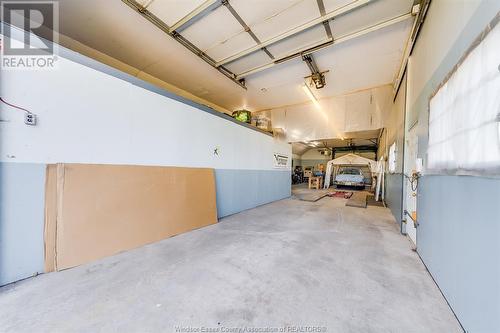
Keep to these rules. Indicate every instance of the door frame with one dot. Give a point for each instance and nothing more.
(411, 138)
(405, 219)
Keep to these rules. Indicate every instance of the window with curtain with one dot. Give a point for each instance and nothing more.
(464, 115)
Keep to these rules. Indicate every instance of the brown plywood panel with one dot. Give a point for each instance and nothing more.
(358, 199)
(106, 209)
(50, 217)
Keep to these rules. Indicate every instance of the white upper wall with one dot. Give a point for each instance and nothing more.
(87, 116)
(443, 25)
(314, 154)
(359, 111)
(394, 127)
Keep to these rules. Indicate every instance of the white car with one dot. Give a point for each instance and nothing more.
(350, 176)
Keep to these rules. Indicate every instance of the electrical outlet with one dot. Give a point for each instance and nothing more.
(30, 119)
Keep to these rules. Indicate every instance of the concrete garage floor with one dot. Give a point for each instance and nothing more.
(289, 263)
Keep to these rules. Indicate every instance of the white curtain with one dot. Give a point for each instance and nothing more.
(464, 131)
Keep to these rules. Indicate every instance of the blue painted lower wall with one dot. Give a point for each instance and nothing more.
(238, 190)
(21, 220)
(393, 194)
(22, 209)
(459, 233)
(459, 241)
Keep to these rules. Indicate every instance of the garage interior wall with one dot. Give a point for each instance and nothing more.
(21, 220)
(394, 124)
(312, 157)
(296, 160)
(357, 111)
(137, 72)
(91, 113)
(455, 230)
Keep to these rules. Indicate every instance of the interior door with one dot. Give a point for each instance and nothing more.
(411, 150)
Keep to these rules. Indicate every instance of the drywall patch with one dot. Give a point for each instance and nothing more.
(21, 220)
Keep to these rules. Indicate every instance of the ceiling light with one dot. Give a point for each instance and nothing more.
(310, 94)
(312, 143)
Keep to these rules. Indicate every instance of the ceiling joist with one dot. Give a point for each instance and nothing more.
(335, 13)
(210, 5)
(420, 10)
(326, 43)
(182, 40)
(326, 24)
(245, 26)
(198, 13)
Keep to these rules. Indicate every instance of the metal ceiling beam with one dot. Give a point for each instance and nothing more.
(186, 43)
(198, 13)
(326, 24)
(326, 43)
(356, 148)
(245, 26)
(337, 12)
(147, 4)
(308, 59)
(420, 10)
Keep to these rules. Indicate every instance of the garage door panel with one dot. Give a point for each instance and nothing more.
(171, 11)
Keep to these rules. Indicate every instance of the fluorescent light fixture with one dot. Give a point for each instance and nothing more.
(313, 98)
(310, 94)
(312, 144)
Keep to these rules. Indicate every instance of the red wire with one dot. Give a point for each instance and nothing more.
(12, 105)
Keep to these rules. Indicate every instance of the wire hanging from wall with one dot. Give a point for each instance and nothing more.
(29, 117)
(12, 105)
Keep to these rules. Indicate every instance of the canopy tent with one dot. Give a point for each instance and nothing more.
(349, 159)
